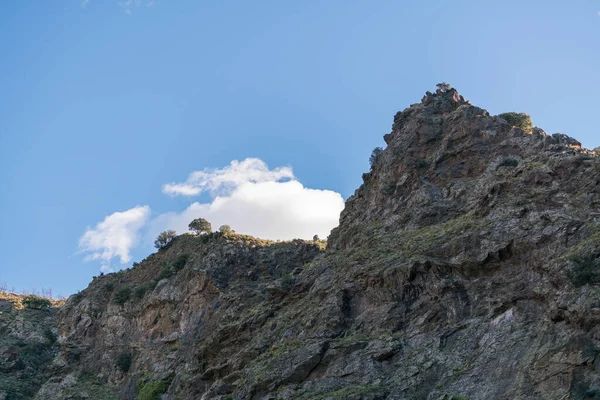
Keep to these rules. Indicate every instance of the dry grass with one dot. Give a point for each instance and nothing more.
(16, 299)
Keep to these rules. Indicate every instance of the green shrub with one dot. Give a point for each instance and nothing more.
(124, 361)
(35, 302)
(180, 262)
(165, 273)
(520, 120)
(140, 291)
(587, 270)
(122, 296)
(287, 282)
(421, 163)
(151, 390)
(508, 162)
(200, 225)
(389, 188)
(226, 229)
(205, 238)
(51, 336)
(35, 354)
(164, 238)
(375, 156)
(109, 287)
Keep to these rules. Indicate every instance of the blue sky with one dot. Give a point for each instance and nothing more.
(105, 102)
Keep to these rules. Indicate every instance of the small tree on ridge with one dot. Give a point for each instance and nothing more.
(164, 238)
(225, 229)
(200, 225)
(375, 156)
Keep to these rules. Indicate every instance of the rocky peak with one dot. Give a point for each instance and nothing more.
(442, 156)
(444, 100)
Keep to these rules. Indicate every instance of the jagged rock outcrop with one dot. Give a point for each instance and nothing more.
(466, 266)
(446, 158)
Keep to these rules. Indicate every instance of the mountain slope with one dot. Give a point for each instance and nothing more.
(28, 335)
(465, 265)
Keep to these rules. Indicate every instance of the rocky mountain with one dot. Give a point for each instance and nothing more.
(465, 267)
(28, 344)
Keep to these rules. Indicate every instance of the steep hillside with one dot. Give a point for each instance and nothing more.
(178, 318)
(28, 335)
(466, 266)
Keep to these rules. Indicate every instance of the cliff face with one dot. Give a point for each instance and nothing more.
(180, 318)
(27, 346)
(465, 265)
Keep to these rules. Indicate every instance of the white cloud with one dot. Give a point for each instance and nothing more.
(269, 210)
(255, 200)
(114, 237)
(247, 195)
(225, 180)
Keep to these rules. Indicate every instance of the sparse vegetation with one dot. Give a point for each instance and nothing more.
(124, 362)
(520, 120)
(51, 336)
(180, 262)
(35, 302)
(165, 273)
(205, 238)
(122, 296)
(164, 238)
(151, 390)
(375, 156)
(443, 87)
(587, 270)
(140, 292)
(508, 162)
(226, 229)
(200, 226)
(287, 282)
(389, 188)
(421, 163)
